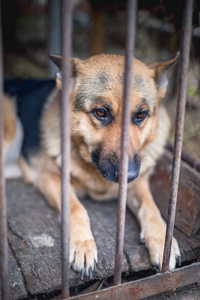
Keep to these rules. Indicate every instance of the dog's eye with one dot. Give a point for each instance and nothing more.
(100, 114)
(139, 117)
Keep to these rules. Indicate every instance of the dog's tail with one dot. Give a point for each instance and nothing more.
(12, 138)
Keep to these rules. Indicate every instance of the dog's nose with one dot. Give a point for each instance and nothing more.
(109, 166)
(133, 168)
(132, 175)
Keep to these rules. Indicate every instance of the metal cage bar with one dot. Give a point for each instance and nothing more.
(66, 140)
(148, 286)
(4, 277)
(130, 41)
(144, 287)
(184, 64)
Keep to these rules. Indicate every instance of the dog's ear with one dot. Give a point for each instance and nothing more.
(57, 59)
(161, 74)
(75, 62)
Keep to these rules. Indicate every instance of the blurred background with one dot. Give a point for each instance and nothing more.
(31, 29)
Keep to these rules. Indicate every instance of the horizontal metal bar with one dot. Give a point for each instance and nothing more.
(184, 64)
(147, 287)
(121, 211)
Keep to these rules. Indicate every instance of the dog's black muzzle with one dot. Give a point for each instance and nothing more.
(109, 166)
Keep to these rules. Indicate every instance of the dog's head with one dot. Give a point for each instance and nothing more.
(96, 109)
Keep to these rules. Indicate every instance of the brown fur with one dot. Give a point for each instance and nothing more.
(98, 83)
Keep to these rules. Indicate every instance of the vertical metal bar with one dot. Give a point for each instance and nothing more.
(66, 141)
(184, 63)
(130, 41)
(4, 278)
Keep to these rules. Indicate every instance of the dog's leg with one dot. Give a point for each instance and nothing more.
(83, 250)
(153, 227)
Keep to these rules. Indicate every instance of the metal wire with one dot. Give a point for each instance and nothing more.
(66, 141)
(130, 41)
(4, 278)
(184, 63)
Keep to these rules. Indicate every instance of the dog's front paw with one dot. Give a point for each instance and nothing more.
(83, 256)
(154, 240)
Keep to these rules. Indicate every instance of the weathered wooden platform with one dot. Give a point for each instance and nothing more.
(34, 233)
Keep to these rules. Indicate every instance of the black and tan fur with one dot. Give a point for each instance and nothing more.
(96, 110)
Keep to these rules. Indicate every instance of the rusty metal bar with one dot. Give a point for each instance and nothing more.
(130, 41)
(184, 63)
(148, 286)
(4, 277)
(66, 140)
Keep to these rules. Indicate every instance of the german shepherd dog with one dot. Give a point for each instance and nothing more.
(96, 112)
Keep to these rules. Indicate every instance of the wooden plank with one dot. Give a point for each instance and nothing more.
(136, 252)
(188, 205)
(34, 233)
(35, 238)
(104, 214)
(17, 287)
(189, 247)
(103, 223)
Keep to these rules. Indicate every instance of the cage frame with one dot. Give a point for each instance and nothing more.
(144, 287)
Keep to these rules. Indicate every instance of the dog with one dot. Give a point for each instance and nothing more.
(96, 117)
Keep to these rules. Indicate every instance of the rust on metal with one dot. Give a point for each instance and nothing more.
(4, 278)
(148, 286)
(66, 140)
(184, 63)
(130, 39)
